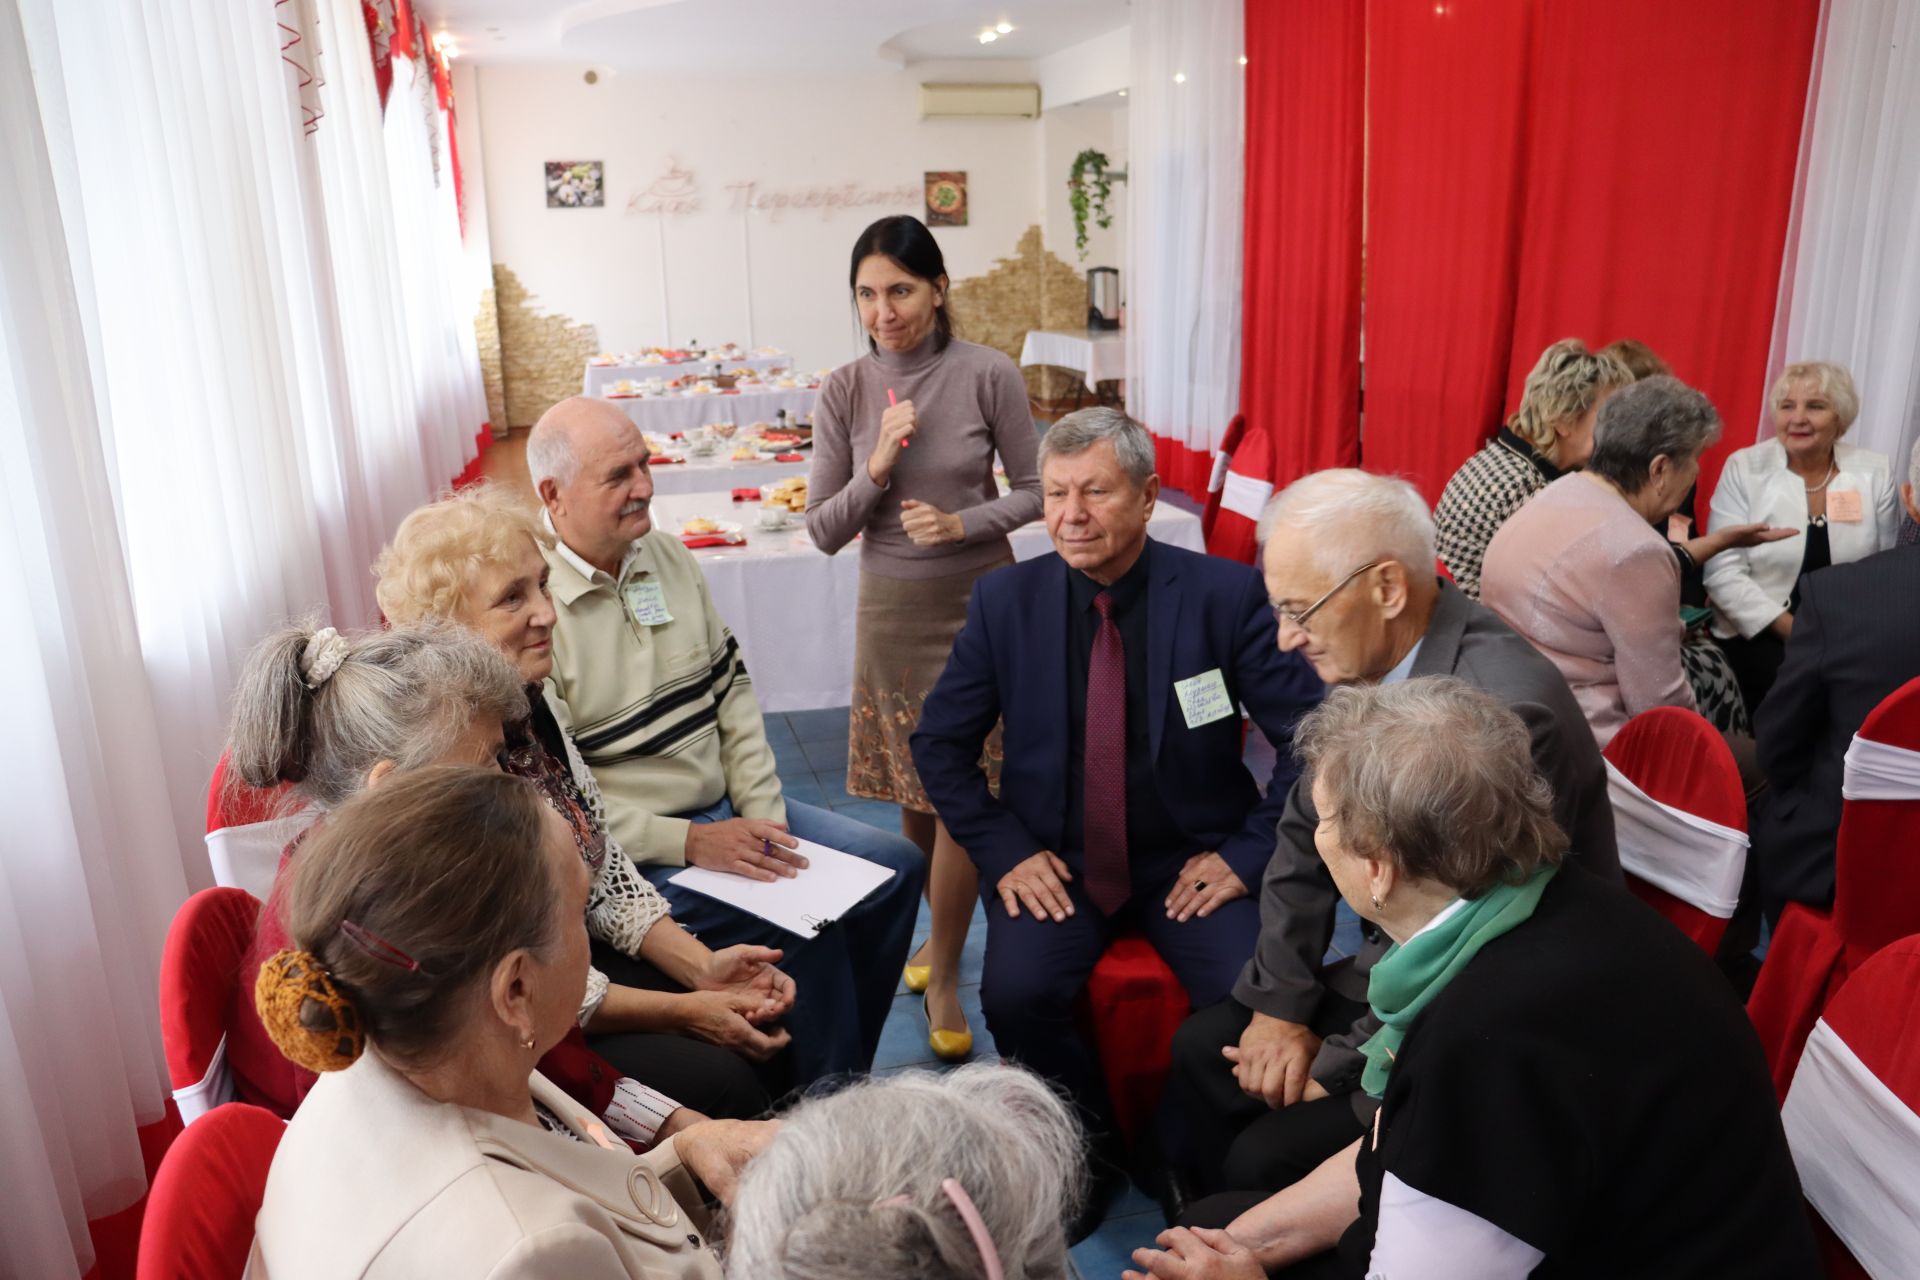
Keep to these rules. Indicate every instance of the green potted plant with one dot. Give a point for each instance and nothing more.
(1089, 185)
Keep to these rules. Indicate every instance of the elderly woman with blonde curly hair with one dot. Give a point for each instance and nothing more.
(1843, 500)
(1550, 434)
(474, 559)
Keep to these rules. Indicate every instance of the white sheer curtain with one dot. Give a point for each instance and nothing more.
(232, 355)
(1851, 288)
(88, 879)
(1185, 121)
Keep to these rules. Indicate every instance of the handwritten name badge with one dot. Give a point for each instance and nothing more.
(1843, 505)
(648, 604)
(1203, 698)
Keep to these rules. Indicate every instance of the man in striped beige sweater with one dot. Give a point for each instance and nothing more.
(650, 682)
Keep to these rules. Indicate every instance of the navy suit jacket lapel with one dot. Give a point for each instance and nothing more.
(1163, 618)
(1047, 659)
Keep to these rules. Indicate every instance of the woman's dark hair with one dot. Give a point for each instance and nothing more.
(905, 241)
(444, 867)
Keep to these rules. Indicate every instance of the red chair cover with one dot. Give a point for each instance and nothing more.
(1245, 488)
(1235, 430)
(1876, 901)
(1132, 1006)
(206, 1195)
(1877, 1013)
(206, 946)
(1680, 760)
(247, 827)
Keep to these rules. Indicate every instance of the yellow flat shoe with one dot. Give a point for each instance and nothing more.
(948, 1046)
(917, 977)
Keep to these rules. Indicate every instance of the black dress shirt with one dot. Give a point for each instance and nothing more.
(1151, 831)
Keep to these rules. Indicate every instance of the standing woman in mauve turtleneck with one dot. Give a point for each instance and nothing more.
(904, 444)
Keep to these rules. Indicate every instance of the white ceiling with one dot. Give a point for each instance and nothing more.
(786, 36)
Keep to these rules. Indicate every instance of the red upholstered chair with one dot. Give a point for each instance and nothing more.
(1853, 1117)
(1221, 458)
(1876, 892)
(206, 1195)
(1681, 816)
(207, 944)
(246, 830)
(1131, 1007)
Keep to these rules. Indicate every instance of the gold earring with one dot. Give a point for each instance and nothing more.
(1376, 901)
(526, 1041)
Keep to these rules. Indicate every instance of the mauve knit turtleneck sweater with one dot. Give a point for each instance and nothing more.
(971, 403)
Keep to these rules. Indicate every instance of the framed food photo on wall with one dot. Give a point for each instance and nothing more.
(576, 184)
(947, 199)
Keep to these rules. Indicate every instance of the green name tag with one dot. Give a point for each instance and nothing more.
(648, 604)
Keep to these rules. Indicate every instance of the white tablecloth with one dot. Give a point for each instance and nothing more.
(792, 607)
(664, 415)
(601, 376)
(1097, 355)
(704, 475)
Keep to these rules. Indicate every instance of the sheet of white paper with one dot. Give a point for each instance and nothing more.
(832, 885)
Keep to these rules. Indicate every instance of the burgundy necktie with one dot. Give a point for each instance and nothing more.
(1105, 785)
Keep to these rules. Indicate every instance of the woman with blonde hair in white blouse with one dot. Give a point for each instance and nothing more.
(1841, 497)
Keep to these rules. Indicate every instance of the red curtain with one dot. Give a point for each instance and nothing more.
(1446, 129)
(1659, 181)
(1300, 303)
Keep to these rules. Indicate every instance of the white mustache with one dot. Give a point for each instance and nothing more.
(633, 508)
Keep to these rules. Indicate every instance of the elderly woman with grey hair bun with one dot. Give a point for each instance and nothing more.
(965, 1175)
(1581, 571)
(1567, 1086)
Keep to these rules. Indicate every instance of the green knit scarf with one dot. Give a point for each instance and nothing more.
(1407, 978)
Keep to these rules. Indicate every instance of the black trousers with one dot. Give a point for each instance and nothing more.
(714, 1081)
(1233, 1142)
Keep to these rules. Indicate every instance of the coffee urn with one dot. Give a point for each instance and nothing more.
(1103, 298)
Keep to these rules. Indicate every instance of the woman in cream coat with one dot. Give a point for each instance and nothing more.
(441, 952)
(1841, 498)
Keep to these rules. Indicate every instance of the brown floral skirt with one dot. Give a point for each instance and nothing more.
(903, 636)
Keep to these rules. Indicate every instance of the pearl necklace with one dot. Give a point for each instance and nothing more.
(1833, 469)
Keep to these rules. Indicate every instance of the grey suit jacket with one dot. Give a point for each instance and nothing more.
(1284, 979)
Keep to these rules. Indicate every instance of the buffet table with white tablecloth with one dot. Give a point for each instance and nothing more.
(664, 415)
(792, 607)
(720, 471)
(601, 377)
(1097, 355)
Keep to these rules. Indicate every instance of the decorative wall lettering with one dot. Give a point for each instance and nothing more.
(828, 199)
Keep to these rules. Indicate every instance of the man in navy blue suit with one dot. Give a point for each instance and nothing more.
(1118, 666)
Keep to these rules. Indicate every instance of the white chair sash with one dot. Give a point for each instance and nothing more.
(1218, 476)
(1697, 861)
(248, 856)
(1244, 495)
(213, 1088)
(1880, 771)
(1857, 1147)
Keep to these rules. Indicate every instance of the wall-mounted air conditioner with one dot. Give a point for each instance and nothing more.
(1010, 101)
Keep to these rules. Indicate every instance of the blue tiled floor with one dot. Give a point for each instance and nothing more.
(810, 748)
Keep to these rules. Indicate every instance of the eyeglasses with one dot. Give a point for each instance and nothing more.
(1283, 614)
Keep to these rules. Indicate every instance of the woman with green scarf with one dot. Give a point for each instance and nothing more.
(1567, 1086)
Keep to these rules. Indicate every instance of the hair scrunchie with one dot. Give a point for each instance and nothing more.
(314, 1023)
(326, 650)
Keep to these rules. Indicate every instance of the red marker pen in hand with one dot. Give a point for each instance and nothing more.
(892, 401)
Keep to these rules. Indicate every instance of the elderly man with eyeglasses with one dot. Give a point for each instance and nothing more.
(1267, 1080)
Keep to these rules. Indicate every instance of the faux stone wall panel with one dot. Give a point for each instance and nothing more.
(1033, 289)
(541, 355)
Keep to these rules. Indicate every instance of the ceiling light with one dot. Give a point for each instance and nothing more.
(1179, 77)
(989, 36)
(1243, 59)
(442, 39)
(1005, 28)
(449, 51)
(1123, 93)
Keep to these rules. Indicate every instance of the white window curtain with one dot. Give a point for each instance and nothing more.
(1186, 122)
(1851, 288)
(232, 355)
